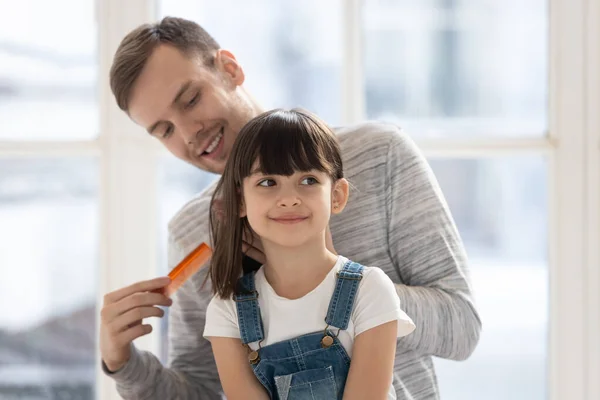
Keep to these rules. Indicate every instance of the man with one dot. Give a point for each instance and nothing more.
(173, 79)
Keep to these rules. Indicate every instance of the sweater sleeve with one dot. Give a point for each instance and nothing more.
(426, 247)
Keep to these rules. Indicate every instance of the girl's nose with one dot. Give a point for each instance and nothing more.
(289, 201)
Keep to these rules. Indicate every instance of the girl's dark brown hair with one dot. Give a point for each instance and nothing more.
(282, 142)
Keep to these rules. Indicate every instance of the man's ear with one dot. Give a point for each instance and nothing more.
(226, 62)
(339, 195)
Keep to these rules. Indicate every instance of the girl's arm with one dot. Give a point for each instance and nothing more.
(235, 372)
(372, 363)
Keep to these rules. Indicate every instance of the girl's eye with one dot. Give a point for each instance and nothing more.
(266, 183)
(309, 181)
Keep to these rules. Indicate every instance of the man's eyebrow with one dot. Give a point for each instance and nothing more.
(180, 93)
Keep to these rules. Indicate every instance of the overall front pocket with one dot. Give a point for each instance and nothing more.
(312, 384)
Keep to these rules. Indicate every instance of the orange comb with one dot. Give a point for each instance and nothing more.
(187, 267)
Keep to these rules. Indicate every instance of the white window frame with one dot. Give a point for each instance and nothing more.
(129, 177)
(592, 198)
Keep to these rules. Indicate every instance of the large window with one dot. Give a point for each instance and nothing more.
(455, 68)
(47, 72)
(500, 207)
(501, 96)
(290, 50)
(470, 70)
(49, 217)
(442, 69)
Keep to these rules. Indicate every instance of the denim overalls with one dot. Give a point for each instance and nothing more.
(313, 366)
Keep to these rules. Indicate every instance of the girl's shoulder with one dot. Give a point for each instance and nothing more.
(221, 305)
(371, 276)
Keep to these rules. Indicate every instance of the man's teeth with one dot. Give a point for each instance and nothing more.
(214, 143)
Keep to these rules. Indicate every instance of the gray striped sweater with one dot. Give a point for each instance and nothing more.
(396, 219)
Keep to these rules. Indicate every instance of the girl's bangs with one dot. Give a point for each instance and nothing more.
(282, 148)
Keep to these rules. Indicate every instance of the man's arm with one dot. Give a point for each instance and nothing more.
(427, 249)
(192, 372)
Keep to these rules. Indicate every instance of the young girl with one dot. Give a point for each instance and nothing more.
(289, 330)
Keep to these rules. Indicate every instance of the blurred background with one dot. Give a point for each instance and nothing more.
(447, 71)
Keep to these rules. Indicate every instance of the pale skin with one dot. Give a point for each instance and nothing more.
(121, 318)
(186, 106)
(290, 215)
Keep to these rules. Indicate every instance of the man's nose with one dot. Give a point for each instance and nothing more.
(191, 131)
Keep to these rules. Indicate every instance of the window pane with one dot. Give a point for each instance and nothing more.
(48, 259)
(501, 210)
(48, 68)
(456, 67)
(291, 54)
(179, 182)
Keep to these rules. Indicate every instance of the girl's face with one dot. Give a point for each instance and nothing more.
(291, 210)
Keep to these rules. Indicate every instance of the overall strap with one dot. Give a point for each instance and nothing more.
(342, 301)
(246, 301)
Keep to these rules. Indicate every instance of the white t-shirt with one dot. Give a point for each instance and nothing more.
(283, 319)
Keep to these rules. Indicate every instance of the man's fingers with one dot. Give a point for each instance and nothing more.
(134, 317)
(141, 299)
(143, 286)
(139, 322)
(128, 336)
